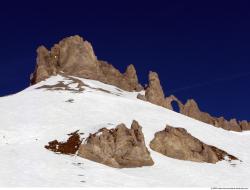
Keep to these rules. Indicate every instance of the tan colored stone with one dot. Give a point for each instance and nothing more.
(234, 126)
(127, 81)
(245, 126)
(120, 147)
(44, 67)
(191, 109)
(75, 56)
(154, 92)
(169, 100)
(178, 143)
(131, 77)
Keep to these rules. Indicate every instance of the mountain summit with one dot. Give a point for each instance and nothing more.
(75, 56)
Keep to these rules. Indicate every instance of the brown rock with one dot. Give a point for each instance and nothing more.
(75, 56)
(191, 109)
(234, 126)
(221, 122)
(169, 100)
(127, 81)
(69, 147)
(154, 92)
(44, 67)
(131, 78)
(245, 126)
(120, 147)
(178, 143)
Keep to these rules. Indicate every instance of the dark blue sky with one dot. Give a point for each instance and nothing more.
(199, 48)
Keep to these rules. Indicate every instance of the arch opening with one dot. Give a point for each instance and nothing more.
(175, 106)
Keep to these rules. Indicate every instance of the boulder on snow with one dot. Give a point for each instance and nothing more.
(120, 147)
(178, 143)
(69, 147)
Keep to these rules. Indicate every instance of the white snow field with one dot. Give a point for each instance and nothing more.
(33, 117)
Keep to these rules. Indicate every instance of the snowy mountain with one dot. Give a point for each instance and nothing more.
(61, 104)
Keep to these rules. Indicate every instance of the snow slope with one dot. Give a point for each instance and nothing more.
(33, 117)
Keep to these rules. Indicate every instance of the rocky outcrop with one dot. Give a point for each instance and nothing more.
(191, 109)
(75, 56)
(178, 143)
(69, 147)
(120, 147)
(244, 125)
(169, 100)
(154, 92)
(127, 81)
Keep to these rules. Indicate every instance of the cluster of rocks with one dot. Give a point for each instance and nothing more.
(120, 147)
(191, 109)
(125, 148)
(154, 94)
(75, 56)
(178, 143)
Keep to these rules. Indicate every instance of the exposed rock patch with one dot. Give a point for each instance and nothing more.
(120, 147)
(62, 85)
(75, 56)
(178, 143)
(69, 147)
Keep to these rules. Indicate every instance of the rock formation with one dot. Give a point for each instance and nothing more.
(75, 56)
(169, 100)
(191, 109)
(244, 125)
(178, 143)
(120, 147)
(154, 92)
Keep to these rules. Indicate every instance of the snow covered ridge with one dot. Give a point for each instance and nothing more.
(75, 56)
(32, 118)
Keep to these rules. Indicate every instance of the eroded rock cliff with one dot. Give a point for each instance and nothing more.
(191, 109)
(75, 56)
